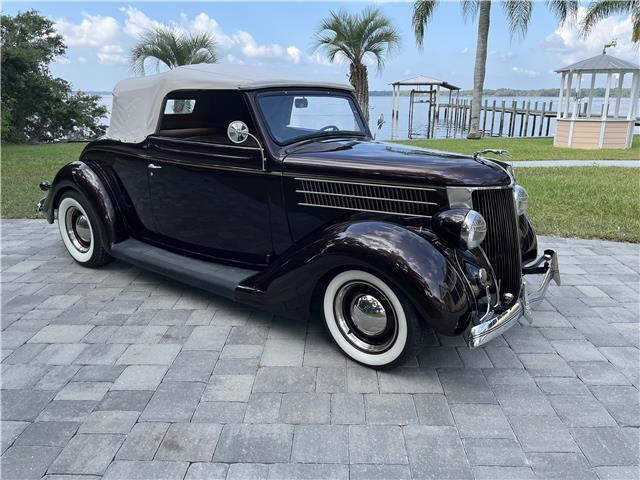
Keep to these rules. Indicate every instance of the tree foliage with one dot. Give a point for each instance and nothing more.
(36, 106)
(356, 37)
(173, 48)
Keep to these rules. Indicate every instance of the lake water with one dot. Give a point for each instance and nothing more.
(379, 104)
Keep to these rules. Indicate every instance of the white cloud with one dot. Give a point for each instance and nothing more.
(526, 72)
(204, 23)
(567, 44)
(294, 54)
(111, 54)
(82, 60)
(465, 50)
(137, 22)
(92, 31)
(250, 48)
(104, 34)
(62, 60)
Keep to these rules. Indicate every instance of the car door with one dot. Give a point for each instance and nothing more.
(211, 199)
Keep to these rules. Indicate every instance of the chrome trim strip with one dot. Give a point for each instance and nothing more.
(366, 198)
(363, 210)
(195, 142)
(407, 187)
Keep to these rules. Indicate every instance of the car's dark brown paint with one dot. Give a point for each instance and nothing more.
(216, 202)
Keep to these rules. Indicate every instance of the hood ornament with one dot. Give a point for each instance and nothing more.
(494, 151)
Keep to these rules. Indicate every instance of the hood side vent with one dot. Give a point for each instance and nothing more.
(368, 197)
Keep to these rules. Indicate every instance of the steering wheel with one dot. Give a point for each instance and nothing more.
(330, 128)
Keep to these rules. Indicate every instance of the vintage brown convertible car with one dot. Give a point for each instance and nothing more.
(274, 193)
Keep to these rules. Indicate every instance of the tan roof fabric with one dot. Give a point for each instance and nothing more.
(137, 102)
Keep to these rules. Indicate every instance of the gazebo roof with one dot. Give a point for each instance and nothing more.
(425, 80)
(601, 63)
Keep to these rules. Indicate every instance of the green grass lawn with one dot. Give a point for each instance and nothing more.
(590, 202)
(23, 167)
(529, 148)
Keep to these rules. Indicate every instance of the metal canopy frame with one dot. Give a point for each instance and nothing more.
(434, 99)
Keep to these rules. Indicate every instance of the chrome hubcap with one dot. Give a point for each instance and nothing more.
(365, 317)
(78, 229)
(368, 314)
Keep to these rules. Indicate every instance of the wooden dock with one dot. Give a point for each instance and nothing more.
(527, 119)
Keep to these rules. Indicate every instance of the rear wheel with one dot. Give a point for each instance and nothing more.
(80, 230)
(369, 322)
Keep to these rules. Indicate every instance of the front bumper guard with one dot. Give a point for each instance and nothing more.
(494, 324)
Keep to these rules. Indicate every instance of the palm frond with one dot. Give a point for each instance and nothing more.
(601, 9)
(518, 14)
(563, 9)
(173, 48)
(356, 36)
(470, 8)
(422, 14)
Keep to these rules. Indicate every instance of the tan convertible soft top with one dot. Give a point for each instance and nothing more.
(137, 102)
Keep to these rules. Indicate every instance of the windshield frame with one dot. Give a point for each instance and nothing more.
(329, 92)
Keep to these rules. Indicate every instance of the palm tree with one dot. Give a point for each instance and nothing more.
(173, 48)
(358, 37)
(601, 9)
(518, 13)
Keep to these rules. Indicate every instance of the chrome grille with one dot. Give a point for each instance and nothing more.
(366, 197)
(502, 243)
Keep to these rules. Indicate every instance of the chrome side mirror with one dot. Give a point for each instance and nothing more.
(238, 132)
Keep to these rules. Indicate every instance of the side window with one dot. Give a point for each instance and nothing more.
(203, 115)
(176, 106)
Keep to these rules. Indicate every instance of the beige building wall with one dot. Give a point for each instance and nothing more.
(586, 133)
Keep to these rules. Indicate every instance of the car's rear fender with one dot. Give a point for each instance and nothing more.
(81, 177)
(411, 262)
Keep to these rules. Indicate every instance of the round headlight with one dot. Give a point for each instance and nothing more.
(522, 199)
(473, 231)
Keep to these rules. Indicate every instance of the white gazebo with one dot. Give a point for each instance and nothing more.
(588, 122)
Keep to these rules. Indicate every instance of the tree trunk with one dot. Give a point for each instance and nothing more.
(359, 78)
(481, 66)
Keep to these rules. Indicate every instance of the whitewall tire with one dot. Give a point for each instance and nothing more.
(368, 321)
(80, 231)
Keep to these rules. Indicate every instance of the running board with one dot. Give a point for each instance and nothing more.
(213, 277)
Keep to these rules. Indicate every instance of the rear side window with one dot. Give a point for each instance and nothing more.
(175, 106)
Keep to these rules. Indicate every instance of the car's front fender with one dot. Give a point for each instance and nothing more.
(412, 263)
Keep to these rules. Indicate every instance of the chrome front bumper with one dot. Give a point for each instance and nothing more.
(493, 324)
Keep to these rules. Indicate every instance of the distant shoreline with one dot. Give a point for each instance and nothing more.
(498, 92)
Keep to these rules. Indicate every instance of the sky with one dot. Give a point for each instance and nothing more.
(279, 35)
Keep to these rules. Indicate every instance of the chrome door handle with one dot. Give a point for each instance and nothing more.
(153, 166)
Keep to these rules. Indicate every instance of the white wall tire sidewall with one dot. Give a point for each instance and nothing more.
(65, 205)
(371, 359)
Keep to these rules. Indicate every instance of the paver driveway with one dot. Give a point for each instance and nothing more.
(124, 374)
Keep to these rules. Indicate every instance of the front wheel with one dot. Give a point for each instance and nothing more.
(80, 230)
(369, 322)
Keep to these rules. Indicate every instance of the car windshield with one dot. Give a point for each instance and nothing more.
(292, 116)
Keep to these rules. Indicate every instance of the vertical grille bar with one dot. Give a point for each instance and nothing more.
(502, 242)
